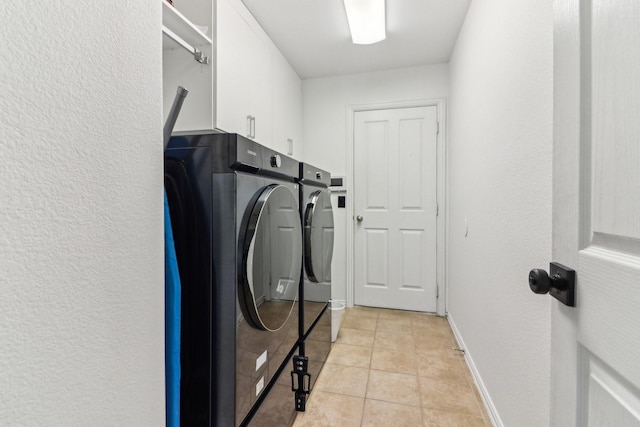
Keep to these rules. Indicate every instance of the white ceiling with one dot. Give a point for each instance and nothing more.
(314, 34)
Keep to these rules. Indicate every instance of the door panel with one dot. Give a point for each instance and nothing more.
(596, 219)
(615, 132)
(610, 400)
(377, 174)
(395, 182)
(411, 170)
(412, 242)
(377, 250)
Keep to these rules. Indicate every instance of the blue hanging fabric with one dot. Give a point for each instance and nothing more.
(172, 322)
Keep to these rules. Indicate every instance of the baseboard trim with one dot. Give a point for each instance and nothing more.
(484, 393)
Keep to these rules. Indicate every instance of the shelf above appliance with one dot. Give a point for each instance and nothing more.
(179, 31)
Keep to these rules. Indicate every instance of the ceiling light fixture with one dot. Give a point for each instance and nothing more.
(366, 20)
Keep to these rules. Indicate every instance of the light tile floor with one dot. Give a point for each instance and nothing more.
(394, 368)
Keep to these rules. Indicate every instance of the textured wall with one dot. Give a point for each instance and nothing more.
(500, 182)
(81, 242)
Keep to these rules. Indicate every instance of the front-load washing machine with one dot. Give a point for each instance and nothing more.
(239, 225)
(315, 287)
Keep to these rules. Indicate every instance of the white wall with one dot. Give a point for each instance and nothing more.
(325, 103)
(499, 168)
(326, 99)
(81, 231)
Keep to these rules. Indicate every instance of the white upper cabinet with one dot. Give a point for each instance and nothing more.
(244, 75)
(287, 107)
(259, 95)
(188, 60)
(238, 81)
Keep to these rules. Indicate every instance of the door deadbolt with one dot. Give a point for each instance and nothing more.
(560, 283)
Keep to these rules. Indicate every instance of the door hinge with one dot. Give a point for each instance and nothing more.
(437, 209)
(437, 292)
(437, 128)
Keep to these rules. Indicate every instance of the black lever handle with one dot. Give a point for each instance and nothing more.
(560, 283)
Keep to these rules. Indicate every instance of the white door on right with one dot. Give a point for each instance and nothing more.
(395, 183)
(595, 351)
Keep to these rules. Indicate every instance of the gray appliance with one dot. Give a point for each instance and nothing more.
(315, 288)
(240, 311)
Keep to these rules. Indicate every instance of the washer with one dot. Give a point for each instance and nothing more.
(236, 204)
(317, 222)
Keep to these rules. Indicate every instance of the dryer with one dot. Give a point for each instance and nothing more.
(315, 288)
(239, 225)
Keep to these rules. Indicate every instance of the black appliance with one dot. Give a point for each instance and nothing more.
(234, 204)
(315, 284)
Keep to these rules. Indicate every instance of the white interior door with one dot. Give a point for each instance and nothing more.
(395, 205)
(595, 355)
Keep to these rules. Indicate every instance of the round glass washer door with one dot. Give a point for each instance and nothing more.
(318, 237)
(271, 258)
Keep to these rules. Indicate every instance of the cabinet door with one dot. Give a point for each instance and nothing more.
(232, 72)
(260, 96)
(243, 75)
(287, 107)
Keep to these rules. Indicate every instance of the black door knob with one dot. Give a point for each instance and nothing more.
(560, 284)
(539, 281)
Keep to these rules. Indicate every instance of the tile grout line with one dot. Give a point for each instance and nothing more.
(415, 350)
(366, 391)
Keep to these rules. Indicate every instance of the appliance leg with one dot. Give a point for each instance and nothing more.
(300, 381)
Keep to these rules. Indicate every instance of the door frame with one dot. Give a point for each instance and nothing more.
(441, 220)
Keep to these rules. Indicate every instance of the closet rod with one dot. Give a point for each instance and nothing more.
(197, 54)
